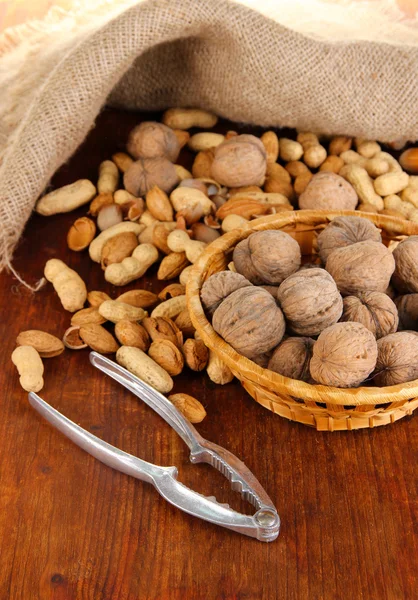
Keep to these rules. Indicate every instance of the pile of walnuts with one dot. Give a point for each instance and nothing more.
(349, 320)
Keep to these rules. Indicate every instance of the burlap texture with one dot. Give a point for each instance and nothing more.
(214, 54)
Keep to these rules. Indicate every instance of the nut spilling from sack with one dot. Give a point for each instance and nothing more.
(148, 213)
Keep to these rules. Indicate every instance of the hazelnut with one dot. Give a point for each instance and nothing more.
(408, 311)
(397, 360)
(240, 161)
(145, 173)
(310, 301)
(328, 191)
(250, 321)
(375, 310)
(405, 277)
(267, 257)
(344, 231)
(292, 358)
(344, 355)
(153, 140)
(219, 286)
(365, 266)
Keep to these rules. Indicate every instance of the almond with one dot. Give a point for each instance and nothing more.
(86, 316)
(99, 339)
(195, 354)
(203, 163)
(245, 208)
(159, 204)
(138, 298)
(172, 290)
(95, 298)
(191, 408)
(160, 234)
(271, 144)
(46, 344)
(72, 339)
(182, 137)
(409, 160)
(118, 247)
(99, 202)
(172, 265)
(80, 234)
(167, 355)
(132, 334)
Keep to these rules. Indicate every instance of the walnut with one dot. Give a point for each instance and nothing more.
(365, 266)
(250, 321)
(145, 173)
(271, 289)
(310, 301)
(292, 358)
(375, 310)
(405, 277)
(397, 360)
(328, 191)
(240, 161)
(344, 355)
(267, 257)
(219, 286)
(344, 231)
(408, 311)
(153, 140)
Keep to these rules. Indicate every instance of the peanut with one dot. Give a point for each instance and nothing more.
(67, 283)
(182, 173)
(98, 338)
(133, 267)
(45, 344)
(114, 311)
(217, 370)
(394, 166)
(391, 183)
(184, 198)
(394, 202)
(271, 144)
(179, 241)
(191, 408)
(185, 274)
(147, 219)
(30, 368)
(147, 236)
(313, 153)
(376, 166)
(108, 177)
(167, 355)
(96, 247)
(362, 184)
(367, 148)
(410, 194)
(290, 150)
(204, 141)
(170, 308)
(80, 234)
(141, 365)
(66, 198)
(350, 157)
(186, 118)
(296, 168)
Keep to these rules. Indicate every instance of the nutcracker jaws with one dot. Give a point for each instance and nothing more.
(264, 525)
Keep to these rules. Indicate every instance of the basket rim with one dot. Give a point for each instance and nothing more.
(246, 368)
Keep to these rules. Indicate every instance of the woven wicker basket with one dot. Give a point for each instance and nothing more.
(323, 407)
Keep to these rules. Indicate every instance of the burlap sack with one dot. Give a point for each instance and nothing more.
(216, 54)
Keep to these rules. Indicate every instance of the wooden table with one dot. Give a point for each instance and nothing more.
(72, 528)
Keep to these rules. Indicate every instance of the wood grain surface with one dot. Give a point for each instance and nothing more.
(72, 528)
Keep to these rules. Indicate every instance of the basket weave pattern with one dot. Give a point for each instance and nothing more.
(323, 407)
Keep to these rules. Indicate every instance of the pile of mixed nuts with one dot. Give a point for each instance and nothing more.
(166, 214)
